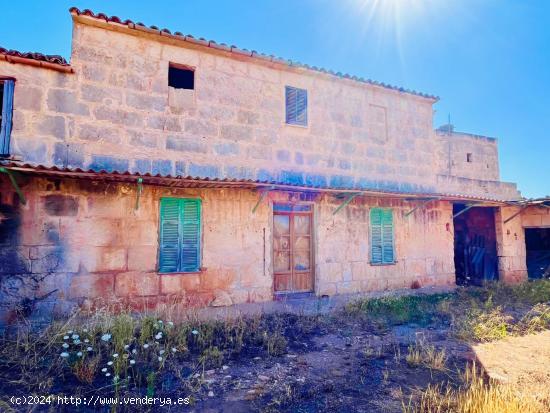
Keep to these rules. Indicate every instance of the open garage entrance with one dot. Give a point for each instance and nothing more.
(537, 243)
(475, 244)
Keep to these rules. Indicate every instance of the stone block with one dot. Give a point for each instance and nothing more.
(136, 283)
(162, 167)
(201, 127)
(260, 152)
(146, 102)
(52, 126)
(248, 117)
(226, 149)
(28, 98)
(204, 171)
(181, 98)
(142, 257)
(236, 132)
(283, 155)
(92, 286)
(98, 133)
(68, 155)
(221, 279)
(103, 259)
(182, 144)
(170, 284)
(66, 101)
(109, 163)
(118, 116)
(190, 282)
(530, 220)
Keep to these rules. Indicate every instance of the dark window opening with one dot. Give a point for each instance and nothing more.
(180, 77)
(469, 157)
(537, 243)
(475, 245)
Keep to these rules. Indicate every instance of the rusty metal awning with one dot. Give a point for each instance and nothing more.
(211, 183)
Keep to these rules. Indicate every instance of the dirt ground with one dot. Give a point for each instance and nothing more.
(350, 369)
(521, 361)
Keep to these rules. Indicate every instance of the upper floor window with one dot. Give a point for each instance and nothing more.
(296, 106)
(6, 109)
(381, 236)
(469, 157)
(180, 235)
(181, 77)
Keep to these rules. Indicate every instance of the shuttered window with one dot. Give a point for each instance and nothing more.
(180, 235)
(382, 238)
(6, 100)
(296, 106)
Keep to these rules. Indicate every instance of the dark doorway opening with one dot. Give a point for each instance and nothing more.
(475, 245)
(537, 243)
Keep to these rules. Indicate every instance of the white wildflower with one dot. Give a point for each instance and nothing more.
(174, 349)
(146, 345)
(104, 369)
(77, 341)
(65, 345)
(158, 336)
(160, 358)
(75, 336)
(115, 355)
(194, 332)
(65, 337)
(70, 332)
(109, 363)
(132, 362)
(159, 321)
(134, 351)
(89, 349)
(106, 337)
(64, 354)
(86, 340)
(161, 352)
(107, 374)
(85, 330)
(125, 356)
(126, 347)
(79, 354)
(171, 323)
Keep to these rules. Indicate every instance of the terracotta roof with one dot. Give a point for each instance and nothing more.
(55, 59)
(238, 51)
(205, 182)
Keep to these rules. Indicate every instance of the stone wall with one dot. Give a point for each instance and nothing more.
(423, 247)
(115, 112)
(467, 156)
(86, 241)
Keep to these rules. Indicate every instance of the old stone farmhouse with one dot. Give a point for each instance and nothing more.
(158, 168)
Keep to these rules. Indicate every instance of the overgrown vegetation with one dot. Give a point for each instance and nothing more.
(136, 355)
(475, 314)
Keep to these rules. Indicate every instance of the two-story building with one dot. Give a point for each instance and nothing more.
(157, 168)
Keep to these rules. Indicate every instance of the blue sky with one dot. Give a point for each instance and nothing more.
(488, 60)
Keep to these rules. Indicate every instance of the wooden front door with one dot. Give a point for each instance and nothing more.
(292, 247)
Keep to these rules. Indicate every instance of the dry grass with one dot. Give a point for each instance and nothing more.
(422, 354)
(476, 396)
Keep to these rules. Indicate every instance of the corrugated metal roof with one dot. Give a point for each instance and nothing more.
(238, 51)
(205, 182)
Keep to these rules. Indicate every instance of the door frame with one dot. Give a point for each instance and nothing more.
(312, 234)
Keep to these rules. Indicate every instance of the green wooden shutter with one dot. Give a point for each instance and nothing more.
(191, 239)
(170, 230)
(376, 235)
(387, 236)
